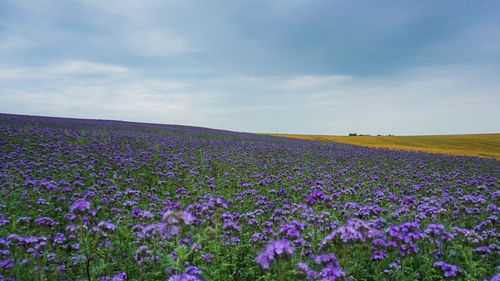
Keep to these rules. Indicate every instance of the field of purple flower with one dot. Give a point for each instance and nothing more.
(108, 200)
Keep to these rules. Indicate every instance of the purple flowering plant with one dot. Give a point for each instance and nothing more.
(109, 200)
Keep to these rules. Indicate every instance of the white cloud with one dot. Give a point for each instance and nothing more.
(13, 43)
(134, 27)
(154, 43)
(64, 68)
(76, 88)
(313, 81)
(165, 85)
(436, 99)
(85, 67)
(128, 8)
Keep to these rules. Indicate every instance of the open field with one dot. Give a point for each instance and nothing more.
(487, 145)
(110, 201)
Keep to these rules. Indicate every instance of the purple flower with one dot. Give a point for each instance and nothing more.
(170, 224)
(449, 270)
(378, 255)
(141, 213)
(187, 217)
(353, 230)
(310, 273)
(46, 221)
(143, 254)
(496, 277)
(208, 257)
(59, 238)
(292, 229)
(395, 265)
(168, 230)
(6, 263)
(3, 220)
(184, 277)
(193, 270)
(120, 276)
(331, 270)
(257, 237)
(405, 236)
(434, 229)
(482, 250)
(274, 249)
(326, 259)
(106, 226)
(331, 273)
(80, 206)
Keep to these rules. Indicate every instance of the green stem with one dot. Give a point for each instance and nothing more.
(87, 256)
(279, 271)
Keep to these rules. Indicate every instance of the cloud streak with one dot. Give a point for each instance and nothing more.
(314, 81)
(66, 68)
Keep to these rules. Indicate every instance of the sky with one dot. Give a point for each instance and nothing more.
(273, 66)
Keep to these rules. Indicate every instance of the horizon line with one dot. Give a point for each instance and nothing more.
(238, 131)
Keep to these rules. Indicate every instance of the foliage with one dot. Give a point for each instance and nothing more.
(103, 200)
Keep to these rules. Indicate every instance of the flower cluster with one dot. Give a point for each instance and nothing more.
(449, 270)
(353, 230)
(406, 236)
(170, 224)
(274, 249)
(331, 270)
(80, 206)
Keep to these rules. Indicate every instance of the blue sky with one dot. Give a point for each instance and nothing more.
(289, 66)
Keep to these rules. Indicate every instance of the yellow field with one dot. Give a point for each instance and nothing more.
(487, 145)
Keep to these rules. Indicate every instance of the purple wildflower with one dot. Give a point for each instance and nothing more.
(169, 226)
(331, 270)
(274, 249)
(208, 257)
(59, 238)
(449, 270)
(120, 276)
(6, 263)
(184, 277)
(353, 230)
(143, 254)
(292, 229)
(434, 229)
(106, 226)
(80, 206)
(46, 221)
